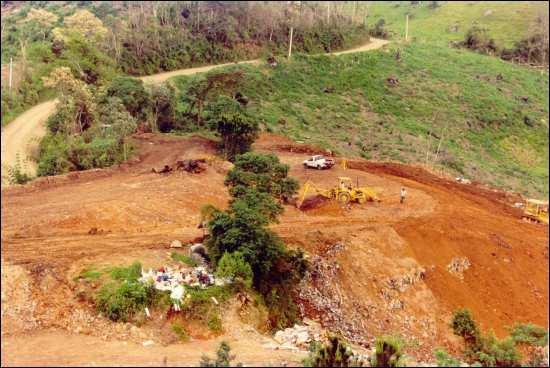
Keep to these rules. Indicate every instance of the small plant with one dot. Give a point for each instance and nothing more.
(180, 331)
(444, 359)
(184, 259)
(223, 359)
(388, 352)
(215, 323)
(89, 274)
(16, 175)
(121, 301)
(234, 266)
(334, 354)
(131, 273)
(529, 334)
(464, 326)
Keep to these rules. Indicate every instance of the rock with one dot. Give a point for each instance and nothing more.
(176, 244)
(148, 343)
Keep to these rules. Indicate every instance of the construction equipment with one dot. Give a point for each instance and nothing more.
(344, 192)
(536, 210)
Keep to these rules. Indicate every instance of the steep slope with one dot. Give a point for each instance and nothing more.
(452, 110)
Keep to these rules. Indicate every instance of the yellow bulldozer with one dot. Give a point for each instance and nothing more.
(536, 210)
(344, 192)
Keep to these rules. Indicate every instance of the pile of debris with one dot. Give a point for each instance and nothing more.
(392, 80)
(299, 337)
(458, 265)
(191, 166)
(463, 180)
(320, 295)
(175, 280)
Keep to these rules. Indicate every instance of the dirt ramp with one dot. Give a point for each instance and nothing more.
(481, 195)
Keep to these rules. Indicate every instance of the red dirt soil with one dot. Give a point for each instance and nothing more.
(46, 224)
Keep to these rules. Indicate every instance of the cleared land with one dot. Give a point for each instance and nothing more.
(46, 242)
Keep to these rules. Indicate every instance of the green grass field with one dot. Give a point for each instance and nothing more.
(505, 21)
(489, 115)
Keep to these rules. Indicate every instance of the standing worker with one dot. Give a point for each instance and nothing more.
(403, 194)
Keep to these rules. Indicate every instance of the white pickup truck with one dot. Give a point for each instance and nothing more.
(319, 162)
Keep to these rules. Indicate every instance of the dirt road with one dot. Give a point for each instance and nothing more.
(22, 135)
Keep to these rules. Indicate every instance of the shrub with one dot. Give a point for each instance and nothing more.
(379, 29)
(334, 354)
(163, 103)
(464, 325)
(131, 273)
(183, 258)
(120, 301)
(15, 173)
(132, 93)
(53, 152)
(444, 359)
(529, 334)
(498, 353)
(236, 128)
(223, 358)
(263, 172)
(233, 265)
(215, 323)
(477, 39)
(388, 352)
(180, 331)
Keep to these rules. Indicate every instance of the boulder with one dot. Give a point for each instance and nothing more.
(176, 244)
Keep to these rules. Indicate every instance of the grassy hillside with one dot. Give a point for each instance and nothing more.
(506, 21)
(489, 115)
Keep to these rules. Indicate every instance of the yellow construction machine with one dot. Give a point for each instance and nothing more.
(344, 192)
(536, 210)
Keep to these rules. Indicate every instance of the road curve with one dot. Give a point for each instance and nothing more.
(21, 136)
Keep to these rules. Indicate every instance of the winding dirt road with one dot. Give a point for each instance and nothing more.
(21, 136)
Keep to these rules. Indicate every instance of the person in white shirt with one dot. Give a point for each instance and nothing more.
(402, 195)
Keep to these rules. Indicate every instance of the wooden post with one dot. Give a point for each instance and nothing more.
(328, 11)
(11, 72)
(407, 28)
(290, 42)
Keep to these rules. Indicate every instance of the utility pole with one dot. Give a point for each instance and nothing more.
(290, 42)
(11, 72)
(407, 28)
(328, 11)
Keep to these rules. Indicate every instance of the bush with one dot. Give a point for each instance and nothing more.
(163, 103)
(184, 259)
(444, 359)
(53, 152)
(388, 352)
(121, 301)
(464, 325)
(131, 273)
(223, 358)
(236, 128)
(263, 172)
(180, 331)
(477, 39)
(487, 350)
(529, 334)
(16, 175)
(498, 353)
(233, 265)
(334, 354)
(379, 29)
(133, 95)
